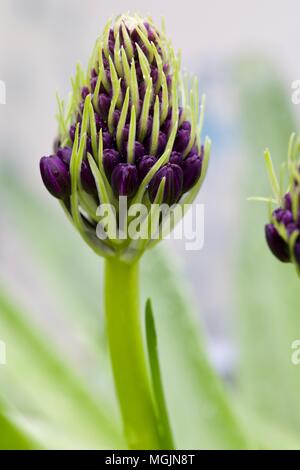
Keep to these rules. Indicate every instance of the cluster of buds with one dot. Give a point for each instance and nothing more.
(283, 231)
(131, 128)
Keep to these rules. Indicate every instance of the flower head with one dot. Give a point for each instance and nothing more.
(283, 230)
(132, 127)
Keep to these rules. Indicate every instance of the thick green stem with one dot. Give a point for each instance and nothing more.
(129, 364)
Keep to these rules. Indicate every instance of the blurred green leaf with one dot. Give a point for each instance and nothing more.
(48, 391)
(12, 437)
(267, 291)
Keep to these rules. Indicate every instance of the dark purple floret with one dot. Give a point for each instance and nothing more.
(191, 168)
(111, 158)
(176, 158)
(108, 141)
(65, 155)
(288, 201)
(173, 185)
(145, 164)
(124, 180)
(87, 178)
(297, 252)
(182, 140)
(104, 105)
(72, 132)
(276, 244)
(85, 92)
(55, 176)
(139, 151)
(186, 125)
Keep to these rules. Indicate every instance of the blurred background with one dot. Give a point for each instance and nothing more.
(232, 302)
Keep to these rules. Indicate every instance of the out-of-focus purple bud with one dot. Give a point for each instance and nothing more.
(139, 151)
(55, 176)
(124, 180)
(297, 252)
(72, 132)
(111, 158)
(100, 124)
(162, 142)
(176, 158)
(182, 140)
(191, 168)
(288, 201)
(278, 214)
(186, 125)
(145, 164)
(104, 104)
(277, 245)
(154, 74)
(291, 228)
(287, 218)
(87, 178)
(173, 185)
(116, 117)
(65, 155)
(93, 83)
(85, 92)
(108, 141)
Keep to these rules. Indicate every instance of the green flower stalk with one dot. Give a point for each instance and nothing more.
(129, 142)
(283, 230)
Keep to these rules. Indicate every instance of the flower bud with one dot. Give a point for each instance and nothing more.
(191, 168)
(111, 158)
(87, 178)
(173, 183)
(65, 155)
(55, 176)
(124, 180)
(276, 244)
(145, 164)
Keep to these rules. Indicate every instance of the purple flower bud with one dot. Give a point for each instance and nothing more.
(100, 124)
(72, 132)
(55, 176)
(124, 180)
(297, 252)
(116, 117)
(162, 142)
(108, 141)
(139, 151)
(87, 178)
(94, 73)
(291, 228)
(176, 158)
(85, 92)
(276, 244)
(287, 218)
(93, 83)
(278, 214)
(104, 105)
(111, 158)
(288, 202)
(65, 155)
(173, 185)
(145, 164)
(191, 168)
(182, 140)
(186, 125)
(154, 74)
